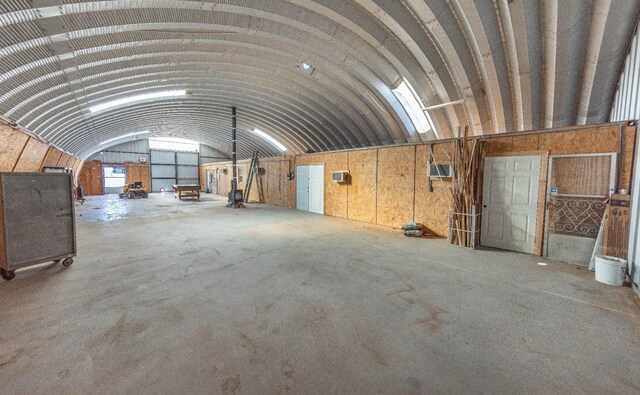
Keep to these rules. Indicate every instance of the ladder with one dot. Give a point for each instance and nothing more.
(253, 169)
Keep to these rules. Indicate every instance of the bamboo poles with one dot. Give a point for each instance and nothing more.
(466, 192)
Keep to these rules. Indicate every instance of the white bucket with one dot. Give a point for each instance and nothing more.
(610, 270)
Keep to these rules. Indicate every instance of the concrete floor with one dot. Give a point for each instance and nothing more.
(188, 297)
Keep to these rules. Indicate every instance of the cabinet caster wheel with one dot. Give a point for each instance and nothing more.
(7, 275)
(67, 262)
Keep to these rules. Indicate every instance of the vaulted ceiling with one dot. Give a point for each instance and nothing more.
(517, 65)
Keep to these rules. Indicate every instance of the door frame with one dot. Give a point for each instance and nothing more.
(542, 191)
(322, 194)
(213, 181)
(547, 196)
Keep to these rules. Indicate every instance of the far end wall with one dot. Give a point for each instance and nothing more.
(130, 154)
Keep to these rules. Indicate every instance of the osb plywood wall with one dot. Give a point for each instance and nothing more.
(389, 186)
(138, 172)
(90, 176)
(270, 187)
(22, 153)
(595, 180)
(590, 140)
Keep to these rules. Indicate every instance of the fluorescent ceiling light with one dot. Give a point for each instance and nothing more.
(123, 137)
(270, 139)
(137, 98)
(412, 105)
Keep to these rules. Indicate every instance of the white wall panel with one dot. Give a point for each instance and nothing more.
(163, 157)
(626, 106)
(627, 101)
(187, 158)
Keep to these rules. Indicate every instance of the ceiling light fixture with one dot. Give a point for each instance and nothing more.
(124, 137)
(412, 105)
(270, 139)
(306, 66)
(137, 98)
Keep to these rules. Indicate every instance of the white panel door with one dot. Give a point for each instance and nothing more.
(302, 188)
(510, 201)
(316, 189)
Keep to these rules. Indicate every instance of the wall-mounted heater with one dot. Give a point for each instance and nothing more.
(440, 170)
(340, 176)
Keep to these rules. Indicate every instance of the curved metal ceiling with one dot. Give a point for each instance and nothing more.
(518, 64)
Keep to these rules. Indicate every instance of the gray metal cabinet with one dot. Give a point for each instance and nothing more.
(37, 220)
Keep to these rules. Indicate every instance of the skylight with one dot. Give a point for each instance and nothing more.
(137, 98)
(123, 137)
(174, 144)
(270, 139)
(412, 105)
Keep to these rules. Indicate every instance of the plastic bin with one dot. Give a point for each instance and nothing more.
(610, 270)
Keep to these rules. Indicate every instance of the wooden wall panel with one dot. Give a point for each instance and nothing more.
(525, 143)
(290, 185)
(12, 142)
(90, 178)
(395, 186)
(500, 145)
(594, 140)
(383, 186)
(71, 161)
(272, 183)
(77, 167)
(224, 180)
(32, 156)
(22, 153)
(309, 159)
(74, 164)
(628, 144)
(62, 160)
(429, 206)
(586, 175)
(335, 194)
(202, 171)
(276, 189)
(362, 189)
(52, 158)
(138, 172)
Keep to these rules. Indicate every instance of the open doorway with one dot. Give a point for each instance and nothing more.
(114, 178)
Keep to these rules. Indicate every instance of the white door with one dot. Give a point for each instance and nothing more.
(316, 189)
(510, 200)
(302, 188)
(214, 182)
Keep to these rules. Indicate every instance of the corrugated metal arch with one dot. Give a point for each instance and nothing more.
(513, 63)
